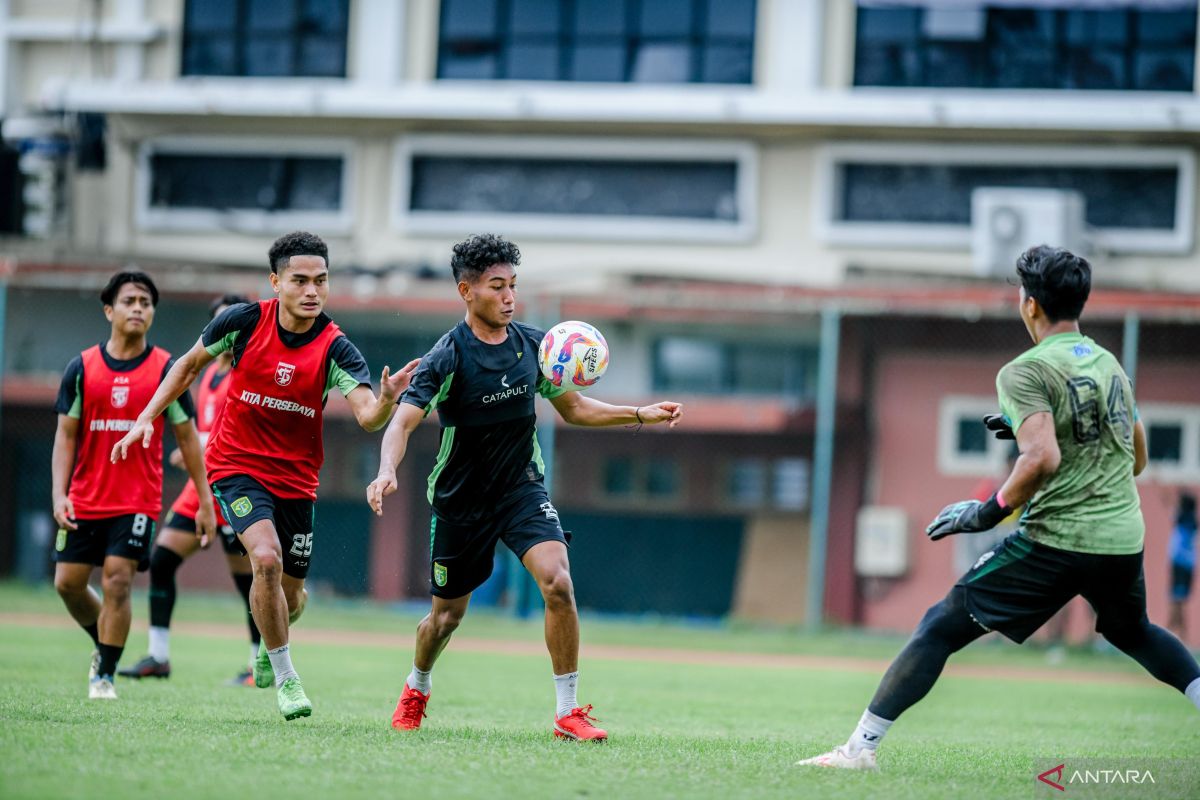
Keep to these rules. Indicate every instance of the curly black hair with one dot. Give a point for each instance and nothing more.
(225, 300)
(109, 293)
(473, 256)
(296, 243)
(1058, 279)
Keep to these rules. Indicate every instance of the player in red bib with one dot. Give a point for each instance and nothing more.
(177, 542)
(266, 449)
(106, 511)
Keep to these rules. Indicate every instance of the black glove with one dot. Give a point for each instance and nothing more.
(967, 516)
(999, 425)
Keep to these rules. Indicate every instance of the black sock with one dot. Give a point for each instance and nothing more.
(110, 654)
(1162, 655)
(93, 631)
(163, 565)
(946, 628)
(244, 581)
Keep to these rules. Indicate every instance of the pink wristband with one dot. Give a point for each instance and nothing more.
(1000, 501)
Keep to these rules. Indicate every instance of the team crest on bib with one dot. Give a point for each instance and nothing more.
(120, 396)
(284, 373)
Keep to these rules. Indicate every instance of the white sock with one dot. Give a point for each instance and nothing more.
(564, 690)
(281, 663)
(868, 734)
(421, 680)
(1193, 692)
(160, 643)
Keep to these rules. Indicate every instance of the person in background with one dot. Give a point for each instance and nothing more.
(1183, 561)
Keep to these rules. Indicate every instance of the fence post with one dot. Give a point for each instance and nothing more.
(1129, 345)
(827, 369)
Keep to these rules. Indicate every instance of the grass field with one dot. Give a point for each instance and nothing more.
(692, 712)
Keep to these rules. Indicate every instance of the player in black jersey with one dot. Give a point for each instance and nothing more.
(487, 482)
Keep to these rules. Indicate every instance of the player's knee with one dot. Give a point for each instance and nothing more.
(163, 565)
(1128, 636)
(267, 563)
(67, 588)
(445, 621)
(558, 591)
(117, 586)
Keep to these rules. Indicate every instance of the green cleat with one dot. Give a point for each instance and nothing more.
(264, 675)
(292, 700)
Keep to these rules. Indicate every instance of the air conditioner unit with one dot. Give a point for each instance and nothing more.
(881, 542)
(1005, 222)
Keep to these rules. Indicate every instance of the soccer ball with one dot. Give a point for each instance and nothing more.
(573, 355)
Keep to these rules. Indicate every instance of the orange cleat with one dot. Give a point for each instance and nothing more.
(409, 710)
(578, 726)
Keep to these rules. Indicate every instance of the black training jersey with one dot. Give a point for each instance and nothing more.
(484, 395)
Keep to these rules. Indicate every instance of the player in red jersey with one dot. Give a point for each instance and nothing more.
(177, 542)
(266, 450)
(106, 511)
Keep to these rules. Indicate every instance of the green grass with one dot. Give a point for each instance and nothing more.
(678, 730)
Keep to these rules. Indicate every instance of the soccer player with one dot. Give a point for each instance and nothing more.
(1071, 408)
(265, 451)
(487, 483)
(106, 512)
(177, 542)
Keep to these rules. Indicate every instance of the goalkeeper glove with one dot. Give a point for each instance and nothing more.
(999, 425)
(967, 516)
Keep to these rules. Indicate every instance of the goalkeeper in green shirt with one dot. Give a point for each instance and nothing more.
(1070, 407)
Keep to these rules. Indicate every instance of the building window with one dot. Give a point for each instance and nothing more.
(760, 483)
(621, 189)
(619, 41)
(265, 38)
(1172, 440)
(1108, 46)
(707, 366)
(881, 195)
(965, 447)
(195, 183)
(640, 480)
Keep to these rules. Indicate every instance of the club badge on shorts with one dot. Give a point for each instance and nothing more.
(439, 574)
(60, 541)
(241, 507)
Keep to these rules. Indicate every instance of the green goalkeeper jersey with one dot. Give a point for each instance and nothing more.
(1090, 505)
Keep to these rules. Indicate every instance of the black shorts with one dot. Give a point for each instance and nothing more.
(462, 555)
(244, 501)
(1019, 584)
(229, 540)
(1181, 582)
(128, 536)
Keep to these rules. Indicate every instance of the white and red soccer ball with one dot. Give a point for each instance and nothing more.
(573, 355)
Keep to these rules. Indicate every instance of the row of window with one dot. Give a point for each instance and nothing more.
(965, 447)
(1080, 44)
(1146, 46)
(869, 194)
(750, 483)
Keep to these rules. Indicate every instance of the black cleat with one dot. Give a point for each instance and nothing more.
(148, 667)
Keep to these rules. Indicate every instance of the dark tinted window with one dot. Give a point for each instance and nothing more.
(1038, 46)
(265, 183)
(707, 366)
(1164, 441)
(265, 38)
(941, 193)
(491, 185)
(643, 41)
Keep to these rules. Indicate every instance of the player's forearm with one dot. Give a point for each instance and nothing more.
(62, 462)
(193, 459)
(177, 380)
(394, 446)
(1029, 474)
(377, 414)
(595, 414)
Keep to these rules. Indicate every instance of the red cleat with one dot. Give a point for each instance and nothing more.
(578, 726)
(410, 710)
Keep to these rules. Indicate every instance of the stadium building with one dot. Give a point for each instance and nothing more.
(795, 216)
